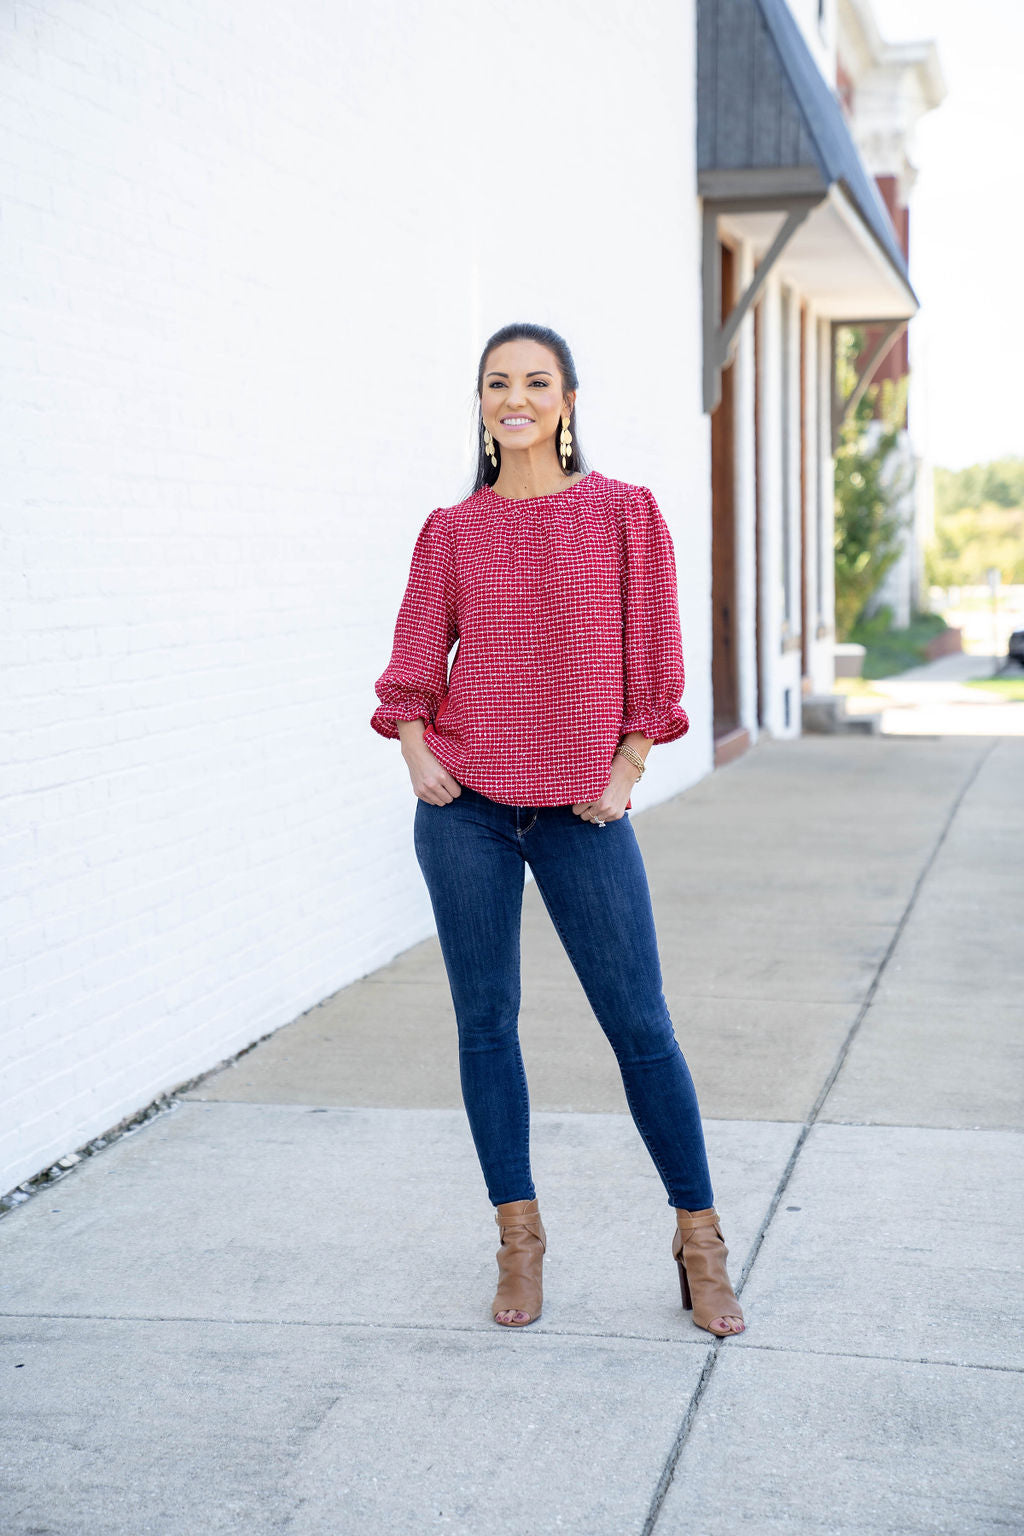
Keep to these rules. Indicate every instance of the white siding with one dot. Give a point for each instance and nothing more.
(827, 500)
(817, 20)
(820, 559)
(793, 513)
(746, 509)
(781, 666)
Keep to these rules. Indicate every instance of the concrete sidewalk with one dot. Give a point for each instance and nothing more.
(268, 1310)
(935, 699)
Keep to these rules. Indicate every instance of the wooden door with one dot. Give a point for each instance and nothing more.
(724, 660)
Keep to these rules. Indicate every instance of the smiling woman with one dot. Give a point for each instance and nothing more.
(527, 384)
(559, 585)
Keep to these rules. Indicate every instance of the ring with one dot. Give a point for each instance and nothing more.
(599, 823)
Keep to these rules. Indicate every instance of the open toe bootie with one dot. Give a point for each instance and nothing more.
(698, 1247)
(520, 1258)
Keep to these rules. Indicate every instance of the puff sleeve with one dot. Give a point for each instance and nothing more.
(652, 653)
(416, 678)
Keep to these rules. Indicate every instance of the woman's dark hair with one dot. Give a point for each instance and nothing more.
(486, 474)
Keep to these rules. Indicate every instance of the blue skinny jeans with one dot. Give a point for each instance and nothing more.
(473, 854)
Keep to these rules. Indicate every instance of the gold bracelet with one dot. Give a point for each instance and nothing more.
(633, 757)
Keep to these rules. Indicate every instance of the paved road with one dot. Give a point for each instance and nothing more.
(267, 1310)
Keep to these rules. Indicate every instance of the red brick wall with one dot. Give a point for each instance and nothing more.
(897, 361)
(844, 88)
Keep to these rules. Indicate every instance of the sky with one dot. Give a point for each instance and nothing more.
(967, 230)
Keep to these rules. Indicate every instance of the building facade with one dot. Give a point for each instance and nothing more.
(885, 89)
(249, 268)
(798, 243)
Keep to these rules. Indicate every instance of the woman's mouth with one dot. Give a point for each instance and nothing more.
(513, 422)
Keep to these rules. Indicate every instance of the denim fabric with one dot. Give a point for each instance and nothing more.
(473, 854)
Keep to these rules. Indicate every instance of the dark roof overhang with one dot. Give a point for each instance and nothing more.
(777, 164)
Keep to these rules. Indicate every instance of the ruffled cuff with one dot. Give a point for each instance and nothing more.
(410, 706)
(658, 725)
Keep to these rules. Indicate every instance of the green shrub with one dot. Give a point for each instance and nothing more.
(891, 650)
(868, 524)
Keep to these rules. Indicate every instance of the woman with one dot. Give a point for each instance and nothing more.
(559, 585)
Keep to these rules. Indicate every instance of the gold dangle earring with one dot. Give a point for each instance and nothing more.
(565, 442)
(489, 447)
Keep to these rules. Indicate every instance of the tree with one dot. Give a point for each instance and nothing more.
(979, 524)
(868, 488)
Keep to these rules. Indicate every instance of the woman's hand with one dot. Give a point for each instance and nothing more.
(612, 803)
(431, 780)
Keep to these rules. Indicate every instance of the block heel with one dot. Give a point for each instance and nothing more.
(699, 1250)
(520, 1261)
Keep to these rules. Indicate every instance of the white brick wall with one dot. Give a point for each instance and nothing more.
(249, 255)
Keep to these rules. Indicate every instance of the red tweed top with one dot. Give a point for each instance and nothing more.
(566, 612)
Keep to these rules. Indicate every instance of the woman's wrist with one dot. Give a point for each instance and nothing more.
(410, 733)
(632, 750)
(640, 743)
(623, 769)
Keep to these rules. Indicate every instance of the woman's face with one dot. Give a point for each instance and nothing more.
(522, 402)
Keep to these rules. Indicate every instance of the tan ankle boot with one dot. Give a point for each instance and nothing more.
(520, 1257)
(698, 1247)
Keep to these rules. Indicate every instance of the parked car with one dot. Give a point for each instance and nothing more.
(1015, 649)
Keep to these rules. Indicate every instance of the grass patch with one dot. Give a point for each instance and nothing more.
(859, 688)
(1009, 689)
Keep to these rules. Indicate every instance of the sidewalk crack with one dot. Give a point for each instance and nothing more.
(676, 1450)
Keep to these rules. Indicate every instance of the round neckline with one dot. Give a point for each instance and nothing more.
(520, 501)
